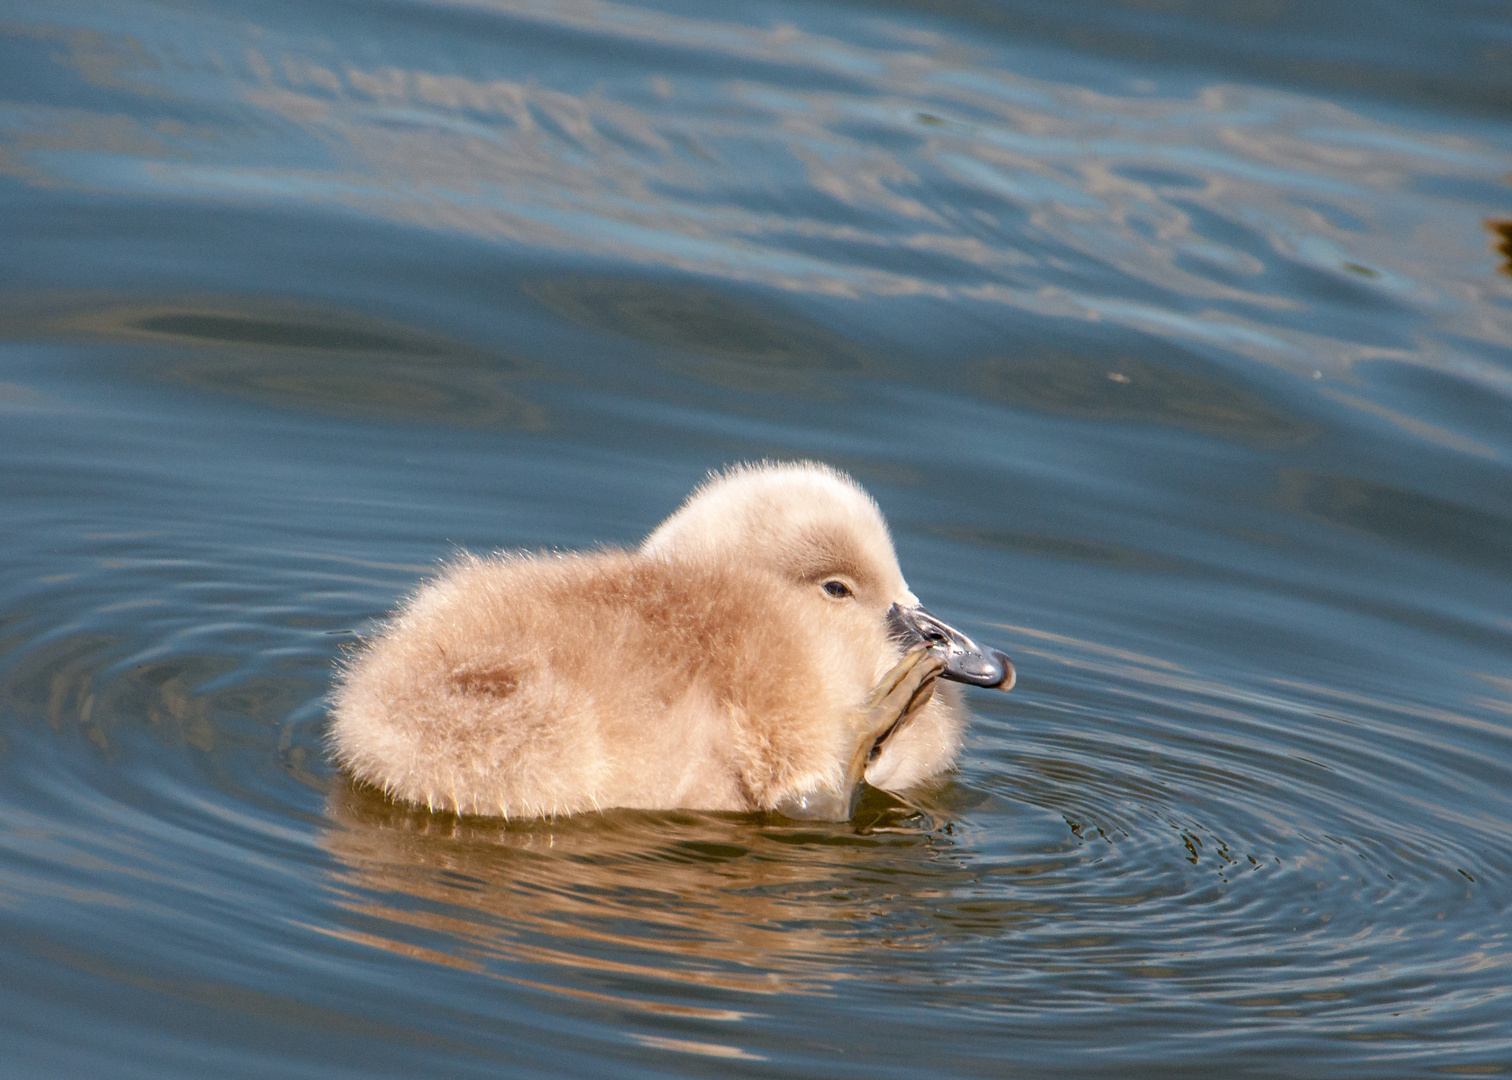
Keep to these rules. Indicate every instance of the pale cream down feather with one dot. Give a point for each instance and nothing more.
(740, 659)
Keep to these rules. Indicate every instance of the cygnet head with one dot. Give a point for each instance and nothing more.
(802, 520)
(815, 527)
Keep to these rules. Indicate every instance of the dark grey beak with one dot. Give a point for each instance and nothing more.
(965, 660)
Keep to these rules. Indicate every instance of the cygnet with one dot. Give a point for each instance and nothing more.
(760, 651)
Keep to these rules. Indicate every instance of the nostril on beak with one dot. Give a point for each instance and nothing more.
(965, 660)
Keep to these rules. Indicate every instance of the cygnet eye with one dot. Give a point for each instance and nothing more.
(838, 589)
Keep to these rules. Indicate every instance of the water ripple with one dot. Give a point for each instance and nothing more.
(1176, 345)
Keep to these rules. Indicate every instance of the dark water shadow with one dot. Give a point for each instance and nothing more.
(302, 357)
(1468, 407)
(1087, 385)
(700, 333)
(1429, 524)
(1445, 55)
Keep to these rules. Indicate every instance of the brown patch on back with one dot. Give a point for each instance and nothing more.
(497, 682)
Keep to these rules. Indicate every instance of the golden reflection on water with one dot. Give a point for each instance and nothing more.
(726, 903)
(844, 182)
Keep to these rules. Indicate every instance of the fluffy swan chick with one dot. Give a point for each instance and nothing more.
(747, 656)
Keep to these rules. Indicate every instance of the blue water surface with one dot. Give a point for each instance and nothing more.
(1175, 341)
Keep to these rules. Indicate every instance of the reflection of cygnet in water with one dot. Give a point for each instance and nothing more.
(759, 651)
(629, 906)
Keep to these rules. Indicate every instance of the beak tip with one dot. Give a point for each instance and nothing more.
(1010, 674)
